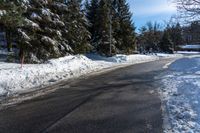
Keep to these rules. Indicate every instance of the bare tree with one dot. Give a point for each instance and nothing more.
(189, 9)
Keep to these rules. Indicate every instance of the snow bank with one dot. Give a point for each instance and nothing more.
(188, 52)
(181, 96)
(14, 79)
(169, 55)
(124, 58)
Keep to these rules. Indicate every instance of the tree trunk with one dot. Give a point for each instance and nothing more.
(9, 40)
(21, 56)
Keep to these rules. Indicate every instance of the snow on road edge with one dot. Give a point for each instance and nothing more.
(180, 96)
(14, 80)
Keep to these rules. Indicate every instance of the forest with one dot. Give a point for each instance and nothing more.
(46, 29)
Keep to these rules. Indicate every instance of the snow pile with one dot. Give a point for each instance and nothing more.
(163, 55)
(14, 79)
(188, 52)
(137, 58)
(181, 96)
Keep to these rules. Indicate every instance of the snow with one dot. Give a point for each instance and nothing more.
(48, 40)
(24, 35)
(15, 80)
(46, 12)
(124, 58)
(181, 96)
(58, 22)
(168, 55)
(2, 12)
(35, 16)
(188, 52)
(32, 24)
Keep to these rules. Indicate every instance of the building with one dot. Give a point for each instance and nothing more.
(191, 47)
(191, 34)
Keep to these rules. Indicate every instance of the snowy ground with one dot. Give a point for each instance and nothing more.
(187, 52)
(181, 96)
(15, 80)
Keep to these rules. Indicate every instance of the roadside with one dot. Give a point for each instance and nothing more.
(180, 95)
(15, 80)
(123, 100)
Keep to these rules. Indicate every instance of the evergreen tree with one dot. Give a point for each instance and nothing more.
(104, 41)
(166, 44)
(43, 31)
(42, 34)
(141, 39)
(78, 35)
(111, 26)
(123, 27)
(92, 16)
(11, 18)
(176, 35)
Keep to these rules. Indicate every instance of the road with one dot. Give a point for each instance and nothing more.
(119, 101)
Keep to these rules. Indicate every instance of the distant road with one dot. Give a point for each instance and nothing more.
(120, 101)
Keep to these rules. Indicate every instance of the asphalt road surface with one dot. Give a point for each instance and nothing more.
(119, 101)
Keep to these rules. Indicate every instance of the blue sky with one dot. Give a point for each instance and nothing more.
(151, 10)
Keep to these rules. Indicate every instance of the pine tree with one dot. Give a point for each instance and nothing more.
(11, 19)
(105, 42)
(124, 30)
(166, 44)
(176, 35)
(78, 35)
(43, 32)
(92, 16)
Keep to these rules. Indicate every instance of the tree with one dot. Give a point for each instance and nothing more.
(111, 26)
(166, 44)
(104, 41)
(191, 33)
(43, 31)
(176, 35)
(189, 9)
(92, 16)
(11, 19)
(150, 36)
(124, 30)
(141, 39)
(78, 35)
(54, 29)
